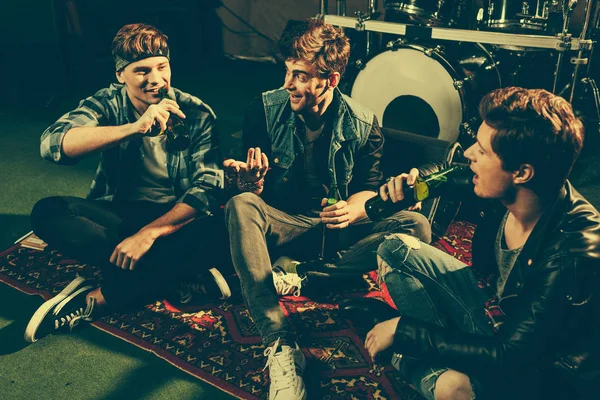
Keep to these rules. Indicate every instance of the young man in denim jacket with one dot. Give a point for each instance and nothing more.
(305, 142)
(148, 217)
(523, 321)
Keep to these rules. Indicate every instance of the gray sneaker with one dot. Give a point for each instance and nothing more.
(286, 367)
(212, 285)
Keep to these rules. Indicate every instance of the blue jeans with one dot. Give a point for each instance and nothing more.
(432, 286)
(258, 231)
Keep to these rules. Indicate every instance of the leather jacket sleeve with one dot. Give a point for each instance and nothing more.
(527, 332)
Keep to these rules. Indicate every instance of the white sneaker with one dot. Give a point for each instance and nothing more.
(285, 371)
(285, 277)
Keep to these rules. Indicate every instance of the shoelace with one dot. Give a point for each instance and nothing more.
(76, 316)
(186, 291)
(288, 283)
(283, 375)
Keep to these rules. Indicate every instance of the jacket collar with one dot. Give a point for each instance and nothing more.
(343, 122)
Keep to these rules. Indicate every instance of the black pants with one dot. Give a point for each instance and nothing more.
(90, 230)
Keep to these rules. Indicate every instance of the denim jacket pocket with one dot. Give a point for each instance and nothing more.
(280, 163)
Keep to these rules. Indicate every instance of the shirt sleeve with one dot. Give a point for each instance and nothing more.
(367, 169)
(206, 191)
(92, 111)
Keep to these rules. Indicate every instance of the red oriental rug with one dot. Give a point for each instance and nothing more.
(218, 343)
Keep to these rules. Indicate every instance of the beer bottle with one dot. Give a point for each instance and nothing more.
(330, 241)
(454, 178)
(177, 138)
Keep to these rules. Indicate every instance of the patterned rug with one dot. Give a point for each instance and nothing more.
(218, 342)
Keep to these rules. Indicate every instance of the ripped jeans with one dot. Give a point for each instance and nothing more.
(428, 284)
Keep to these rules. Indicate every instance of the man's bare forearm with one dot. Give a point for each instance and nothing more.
(83, 140)
(180, 215)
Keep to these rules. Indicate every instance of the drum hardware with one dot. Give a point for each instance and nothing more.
(323, 6)
(460, 35)
(584, 35)
(394, 44)
(361, 18)
(340, 7)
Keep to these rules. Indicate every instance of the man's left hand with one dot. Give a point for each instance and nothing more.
(128, 253)
(381, 337)
(339, 215)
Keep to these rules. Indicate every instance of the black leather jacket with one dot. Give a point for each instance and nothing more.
(551, 323)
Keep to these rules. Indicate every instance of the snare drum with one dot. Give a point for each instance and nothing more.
(423, 12)
(427, 90)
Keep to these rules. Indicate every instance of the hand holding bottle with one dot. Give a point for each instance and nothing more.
(455, 178)
(393, 191)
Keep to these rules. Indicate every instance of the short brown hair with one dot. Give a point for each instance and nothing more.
(534, 126)
(317, 43)
(134, 41)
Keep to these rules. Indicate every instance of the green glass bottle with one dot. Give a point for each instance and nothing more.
(457, 177)
(330, 237)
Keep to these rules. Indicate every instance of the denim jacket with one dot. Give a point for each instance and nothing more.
(354, 152)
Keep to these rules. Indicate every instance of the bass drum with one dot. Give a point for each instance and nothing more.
(426, 89)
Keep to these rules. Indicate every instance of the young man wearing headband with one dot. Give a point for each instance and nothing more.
(148, 217)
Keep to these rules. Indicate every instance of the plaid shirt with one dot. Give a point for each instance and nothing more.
(195, 173)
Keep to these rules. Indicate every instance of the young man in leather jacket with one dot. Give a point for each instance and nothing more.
(523, 321)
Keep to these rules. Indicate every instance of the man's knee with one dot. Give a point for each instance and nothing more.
(43, 213)
(240, 204)
(453, 385)
(395, 249)
(410, 222)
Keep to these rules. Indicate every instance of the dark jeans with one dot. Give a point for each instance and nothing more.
(90, 230)
(255, 228)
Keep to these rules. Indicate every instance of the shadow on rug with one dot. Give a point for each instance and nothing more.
(218, 343)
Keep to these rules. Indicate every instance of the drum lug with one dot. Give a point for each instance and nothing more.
(395, 44)
(465, 129)
(431, 51)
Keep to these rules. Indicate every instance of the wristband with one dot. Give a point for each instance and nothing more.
(250, 186)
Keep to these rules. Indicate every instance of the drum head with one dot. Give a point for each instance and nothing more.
(412, 92)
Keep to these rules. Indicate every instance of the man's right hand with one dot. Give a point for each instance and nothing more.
(253, 170)
(392, 189)
(157, 114)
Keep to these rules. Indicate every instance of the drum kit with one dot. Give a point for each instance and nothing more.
(425, 65)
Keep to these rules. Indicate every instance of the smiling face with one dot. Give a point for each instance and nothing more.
(143, 79)
(491, 180)
(307, 90)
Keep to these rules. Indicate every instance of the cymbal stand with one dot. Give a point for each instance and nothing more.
(580, 54)
(565, 39)
(340, 7)
(323, 7)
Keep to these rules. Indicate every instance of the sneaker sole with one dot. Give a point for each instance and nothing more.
(44, 309)
(221, 283)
